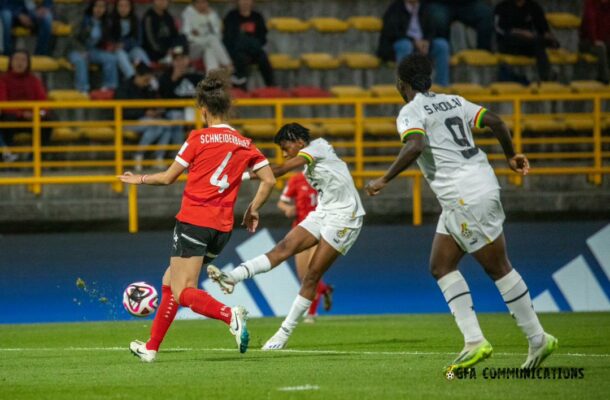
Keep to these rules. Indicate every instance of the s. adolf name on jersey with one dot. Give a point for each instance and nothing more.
(443, 106)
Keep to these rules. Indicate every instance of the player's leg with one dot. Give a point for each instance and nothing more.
(323, 258)
(444, 259)
(296, 241)
(516, 295)
(302, 263)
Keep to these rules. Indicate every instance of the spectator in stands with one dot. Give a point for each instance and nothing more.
(20, 84)
(140, 87)
(595, 34)
(406, 29)
(476, 14)
(27, 14)
(93, 44)
(522, 29)
(160, 32)
(179, 83)
(245, 34)
(126, 36)
(202, 27)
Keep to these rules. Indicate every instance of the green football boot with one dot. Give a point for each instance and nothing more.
(537, 355)
(471, 355)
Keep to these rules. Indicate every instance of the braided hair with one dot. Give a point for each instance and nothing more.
(292, 132)
(416, 70)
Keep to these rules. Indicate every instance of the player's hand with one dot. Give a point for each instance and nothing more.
(128, 177)
(290, 211)
(251, 219)
(519, 163)
(374, 187)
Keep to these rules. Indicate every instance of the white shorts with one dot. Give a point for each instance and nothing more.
(339, 231)
(473, 225)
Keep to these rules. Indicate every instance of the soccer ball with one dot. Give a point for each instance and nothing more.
(140, 299)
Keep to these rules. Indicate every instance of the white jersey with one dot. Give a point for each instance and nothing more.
(451, 163)
(329, 175)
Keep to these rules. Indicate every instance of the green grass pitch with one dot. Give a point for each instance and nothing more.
(364, 357)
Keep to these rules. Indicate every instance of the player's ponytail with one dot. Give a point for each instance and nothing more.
(416, 70)
(213, 93)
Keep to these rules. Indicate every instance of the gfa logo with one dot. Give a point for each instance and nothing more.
(278, 286)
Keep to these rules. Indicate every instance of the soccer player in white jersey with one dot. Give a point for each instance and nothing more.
(436, 131)
(334, 226)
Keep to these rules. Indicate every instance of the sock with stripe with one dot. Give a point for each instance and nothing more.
(163, 319)
(202, 303)
(517, 298)
(457, 294)
(299, 306)
(250, 268)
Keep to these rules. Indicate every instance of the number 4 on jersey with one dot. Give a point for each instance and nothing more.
(223, 183)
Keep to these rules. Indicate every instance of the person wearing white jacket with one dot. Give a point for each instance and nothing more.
(202, 27)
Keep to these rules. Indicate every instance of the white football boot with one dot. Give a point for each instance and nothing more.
(277, 341)
(139, 350)
(239, 329)
(222, 279)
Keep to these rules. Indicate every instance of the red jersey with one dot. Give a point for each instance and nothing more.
(299, 192)
(216, 158)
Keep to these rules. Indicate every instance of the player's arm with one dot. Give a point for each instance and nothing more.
(166, 177)
(517, 162)
(414, 145)
(251, 218)
(281, 170)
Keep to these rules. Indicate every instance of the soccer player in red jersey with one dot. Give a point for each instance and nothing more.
(216, 158)
(298, 199)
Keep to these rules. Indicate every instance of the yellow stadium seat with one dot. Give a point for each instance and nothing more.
(64, 64)
(580, 122)
(360, 60)
(23, 139)
(562, 56)
(468, 89)
(284, 61)
(131, 135)
(328, 25)
(349, 91)
(507, 88)
(549, 88)
(563, 20)
(320, 61)
(65, 135)
(339, 128)
(606, 123)
(98, 134)
(3, 63)
(587, 86)
(368, 24)
(288, 25)
(482, 58)
(259, 130)
(454, 61)
(543, 123)
(61, 29)
(515, 60)
(588, 58)
(67, 95)
(384, 91)
(380, 128)
(44, 64)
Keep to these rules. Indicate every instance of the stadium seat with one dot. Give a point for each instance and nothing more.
(587, 58)
(58, 29)
(281, 61)
(328, 25)
(66, 95)
(3, 63)
(269, 92)
(543, 123)
(65, 135)
(130, 135)
(562, 56)
(549, 88)
(288, 25)
(106, 94)
(579, 121)
(259, 130)
(320, 61)
(384, 91)
(309, 91)
(380, 127)
(515, 60)
(479, 58)
(97, 134)
(563, 20)
(238, 93)
(360, 60)
(367, 24)
(44, 64)
(339, 128)
(23, 139)
(468, 89)
(500, 88)
(587, 86)
(349, 91)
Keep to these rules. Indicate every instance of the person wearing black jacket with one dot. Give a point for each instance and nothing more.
(125, 31)
(160, 32)
(245, 34)
(522, 29)
(407, 28)
(476, 14)
(140, 87)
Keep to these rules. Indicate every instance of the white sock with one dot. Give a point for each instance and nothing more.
(250, 268)
(457, 294)
(517, 298)
(299, 306)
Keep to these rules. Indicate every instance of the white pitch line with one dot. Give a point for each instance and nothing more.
(294, 351)
(298, 388)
